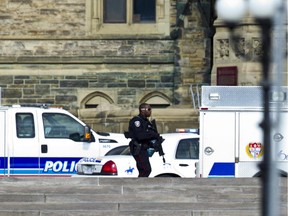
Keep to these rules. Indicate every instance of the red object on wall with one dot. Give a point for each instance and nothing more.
(227, 76)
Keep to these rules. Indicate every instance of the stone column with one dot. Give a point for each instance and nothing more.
(241, 55)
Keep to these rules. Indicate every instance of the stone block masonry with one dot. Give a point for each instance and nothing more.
(56, 89)
(54, 52)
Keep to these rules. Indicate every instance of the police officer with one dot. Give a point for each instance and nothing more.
(142, 132)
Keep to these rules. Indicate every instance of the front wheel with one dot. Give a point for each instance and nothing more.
(168, 175)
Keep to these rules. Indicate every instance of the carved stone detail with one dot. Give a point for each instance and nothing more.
(257, 45)
(222, 49)
(240, 48)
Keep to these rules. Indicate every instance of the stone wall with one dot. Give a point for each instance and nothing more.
(245, 52)
(115, 119)
(50, 53)
(58, 52)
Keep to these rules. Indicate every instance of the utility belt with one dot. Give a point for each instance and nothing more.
(135, 147)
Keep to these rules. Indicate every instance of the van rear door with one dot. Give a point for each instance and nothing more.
(251, 146)
(218, 130)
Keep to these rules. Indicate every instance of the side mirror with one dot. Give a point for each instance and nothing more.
(88, 136)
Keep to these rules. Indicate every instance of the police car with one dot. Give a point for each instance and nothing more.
(181, 155)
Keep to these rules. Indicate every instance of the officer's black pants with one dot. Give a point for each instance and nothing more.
(143, 163)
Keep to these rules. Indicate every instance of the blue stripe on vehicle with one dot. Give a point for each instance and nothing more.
(3, 171)
(24, 171)
(29, 172)
(20, 171)
(3, 162)
(222, 170)
(24, 162)
(31, 166)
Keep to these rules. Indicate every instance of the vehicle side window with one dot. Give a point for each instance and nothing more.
(25, 125)
(188, 149)
(58, 125)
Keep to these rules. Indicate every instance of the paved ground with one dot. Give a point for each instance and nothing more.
(133, 197)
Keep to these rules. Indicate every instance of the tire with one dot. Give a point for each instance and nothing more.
(168, 175)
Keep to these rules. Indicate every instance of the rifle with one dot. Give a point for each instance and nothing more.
(157, 144)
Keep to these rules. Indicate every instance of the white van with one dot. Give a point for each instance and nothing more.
(231, 138)
(38, 140)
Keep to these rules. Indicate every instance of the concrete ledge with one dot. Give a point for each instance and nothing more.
(130, 213)
(133, 196)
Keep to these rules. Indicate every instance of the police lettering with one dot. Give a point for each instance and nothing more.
(60, 167)
(92, 160)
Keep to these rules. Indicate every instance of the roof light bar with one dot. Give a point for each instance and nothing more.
(187, 130)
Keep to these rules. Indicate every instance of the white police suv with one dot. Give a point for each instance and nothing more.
(181, 154)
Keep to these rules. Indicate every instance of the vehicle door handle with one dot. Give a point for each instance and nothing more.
(44, 148)
(183, 165)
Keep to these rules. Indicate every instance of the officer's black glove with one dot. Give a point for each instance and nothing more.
(157, 145)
